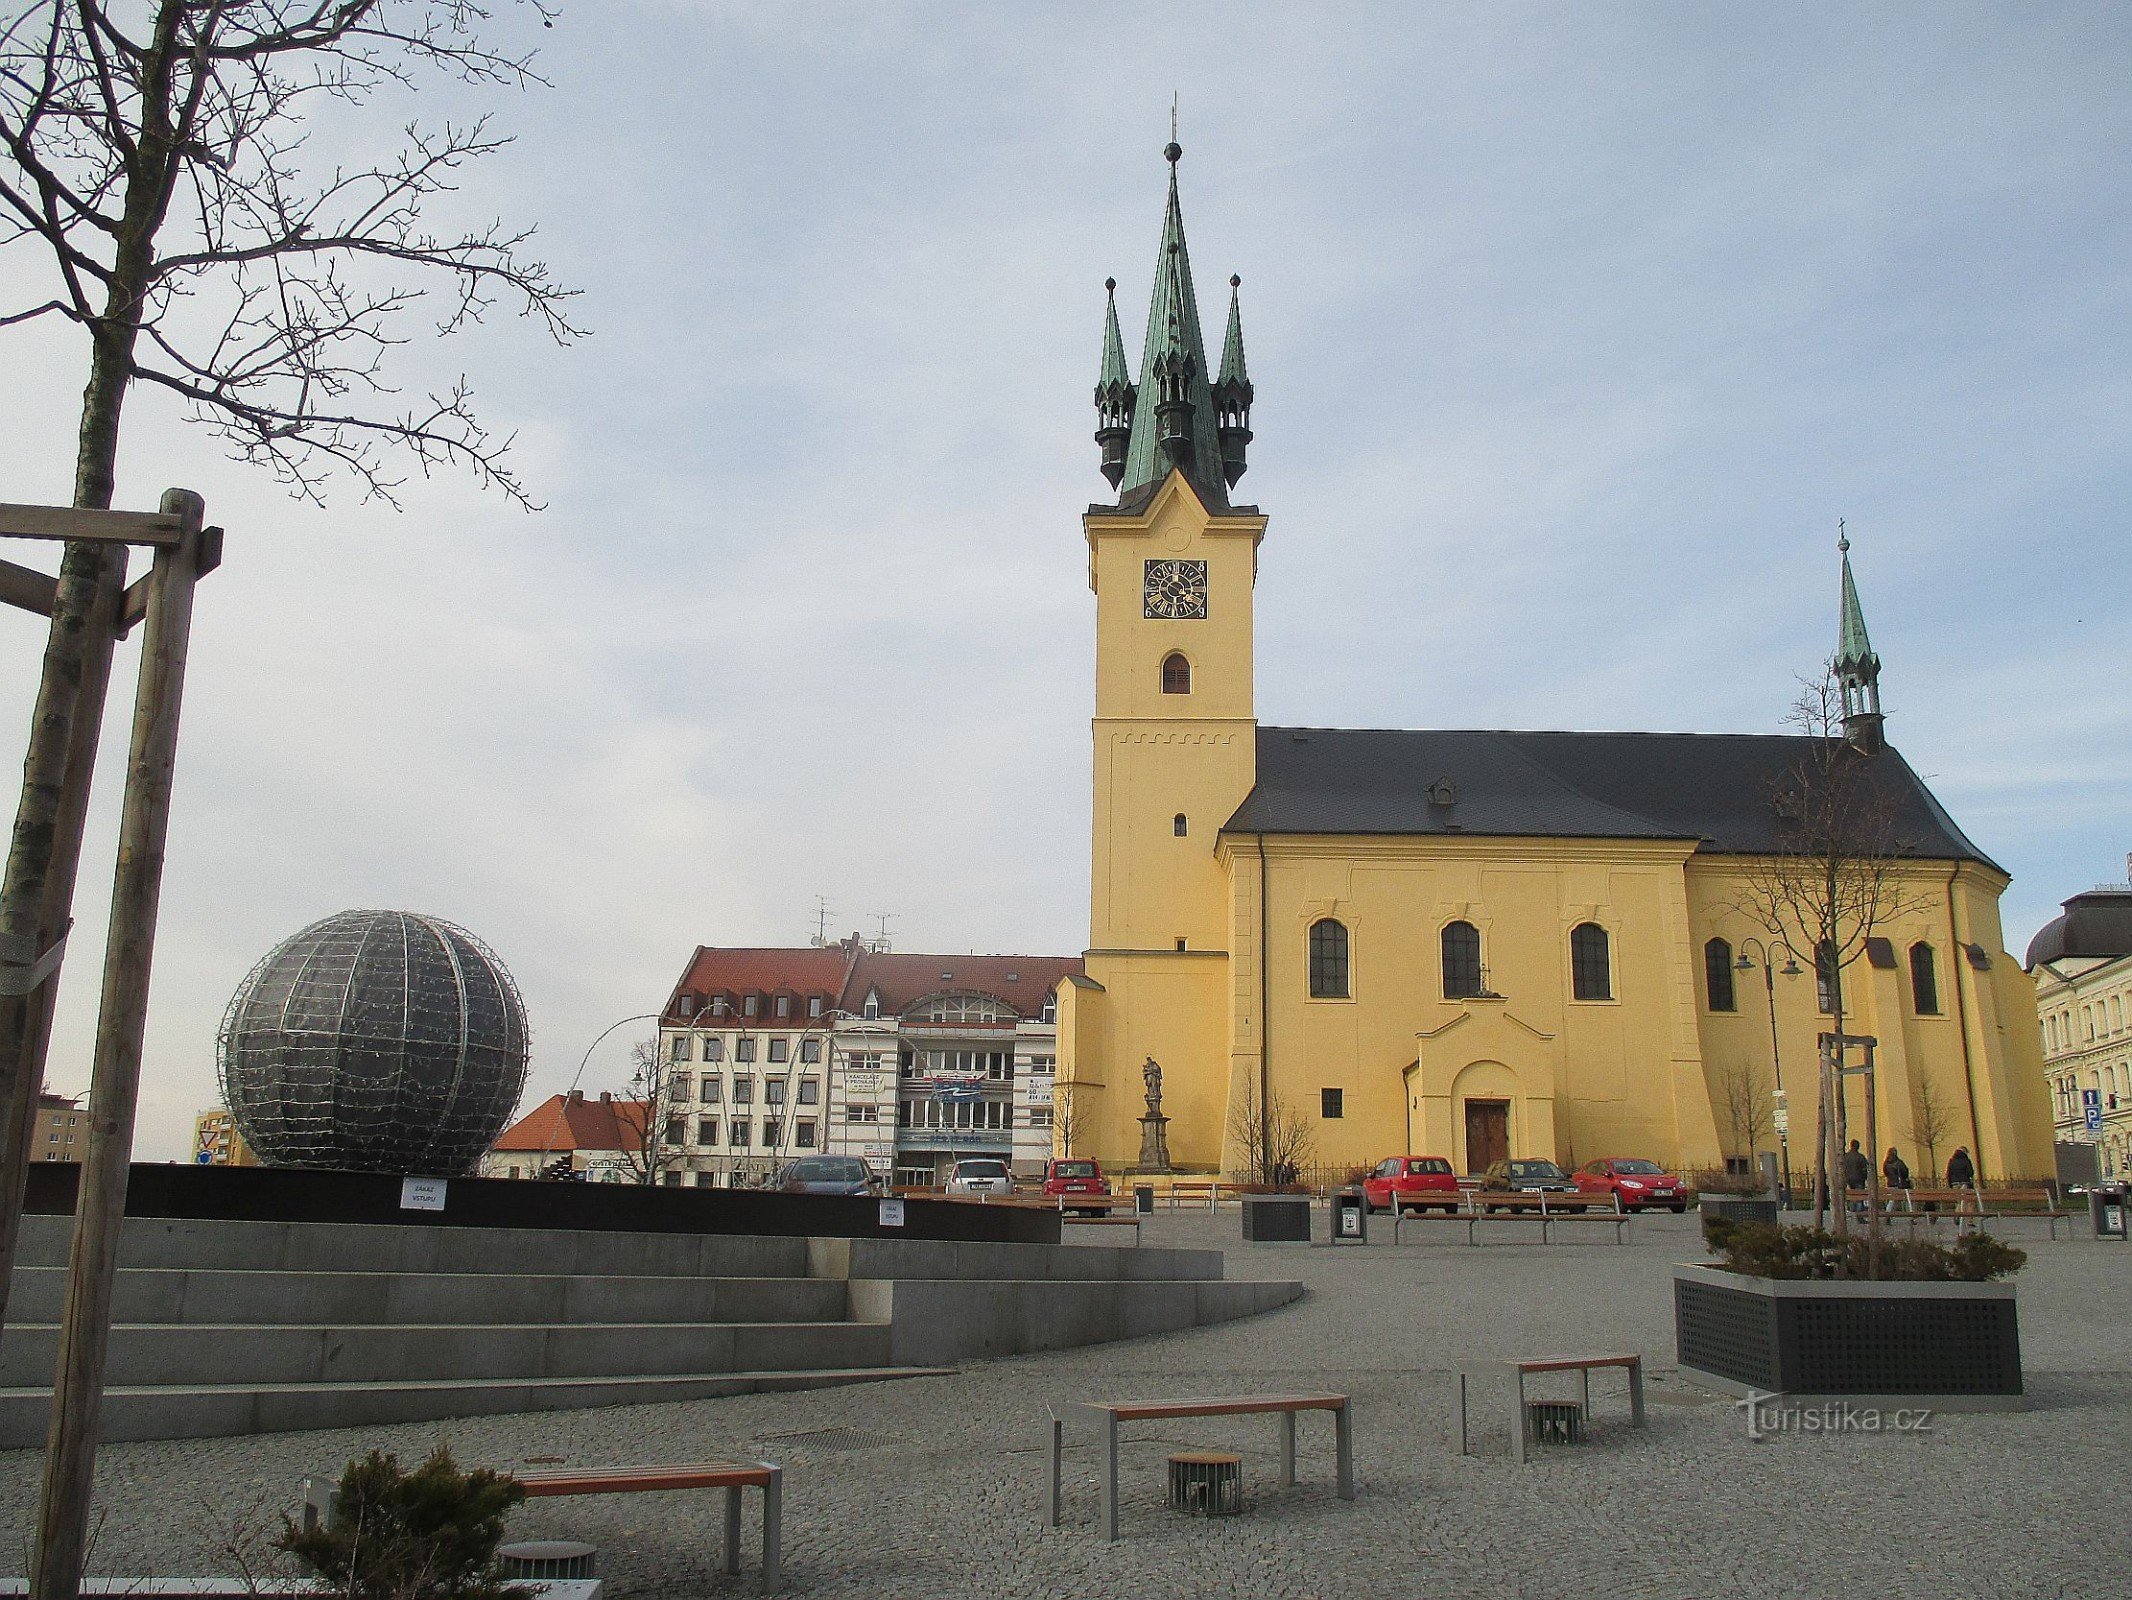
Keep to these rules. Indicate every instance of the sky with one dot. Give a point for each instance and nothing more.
(1575, 330)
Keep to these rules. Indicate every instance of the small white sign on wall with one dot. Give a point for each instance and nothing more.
(891, 1213)
(422, 1194)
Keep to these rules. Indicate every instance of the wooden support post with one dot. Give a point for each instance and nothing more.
(85, 1330)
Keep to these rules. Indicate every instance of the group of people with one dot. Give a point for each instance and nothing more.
(1895, 1172)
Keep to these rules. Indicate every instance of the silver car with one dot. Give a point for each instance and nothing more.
(981, 1176)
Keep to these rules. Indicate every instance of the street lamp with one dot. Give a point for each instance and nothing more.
(561, 1111)
(1766, 960)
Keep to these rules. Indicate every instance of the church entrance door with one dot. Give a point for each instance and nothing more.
(1487, 1133)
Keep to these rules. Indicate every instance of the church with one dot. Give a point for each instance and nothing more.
(1466, 943)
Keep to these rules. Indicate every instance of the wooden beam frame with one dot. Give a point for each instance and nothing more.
(28, 588)
(105, 527)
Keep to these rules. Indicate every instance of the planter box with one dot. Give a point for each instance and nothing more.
(1740, 1208)
(1277, 1218)
(1949, 1341)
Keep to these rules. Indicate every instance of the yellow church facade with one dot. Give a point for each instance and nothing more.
(1466, 943)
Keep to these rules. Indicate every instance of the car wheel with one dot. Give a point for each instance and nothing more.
(1681, 1208)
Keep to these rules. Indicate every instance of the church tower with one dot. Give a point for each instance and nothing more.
(1856, 667)
(1172, 563)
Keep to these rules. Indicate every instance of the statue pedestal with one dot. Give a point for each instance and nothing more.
(1154, 1143)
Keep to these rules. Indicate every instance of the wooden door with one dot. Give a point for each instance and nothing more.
(1487, 1133)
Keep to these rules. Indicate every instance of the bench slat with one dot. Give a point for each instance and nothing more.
(1237, 1406)
(632, 1480)
(1574, 1363)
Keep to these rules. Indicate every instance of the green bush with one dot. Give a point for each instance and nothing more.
(429, 1534)
(1760, 1251)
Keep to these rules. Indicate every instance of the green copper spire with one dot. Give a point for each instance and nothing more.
(1232, 345)
(1856, 667)
(1173, 415)
(1114, 392)
(1232, 393)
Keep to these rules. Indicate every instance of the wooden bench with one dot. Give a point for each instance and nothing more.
(1461, 1219)
(1075, 1220)
(1966, 1207)
(321, 1494)
(1521, 1422)
(1209, 1192)
(1503, 1206)
(1547, 1219)
(1109, 1413)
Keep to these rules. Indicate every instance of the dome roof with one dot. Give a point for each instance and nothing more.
(2097, 924)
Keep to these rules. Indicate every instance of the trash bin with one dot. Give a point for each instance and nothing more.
(1144, 1199)
(2106, 1211)
(1350, 1217)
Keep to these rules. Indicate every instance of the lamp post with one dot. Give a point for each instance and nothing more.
(1765, 959)
(561, 1111)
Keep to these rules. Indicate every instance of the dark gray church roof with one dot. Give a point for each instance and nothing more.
(2097, 923)
(1714, 788)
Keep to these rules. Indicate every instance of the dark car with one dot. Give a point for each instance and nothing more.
(827, 1175)
(1527, 1177)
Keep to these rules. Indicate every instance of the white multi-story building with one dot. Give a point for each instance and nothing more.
(907, 1061)
(2082, 963)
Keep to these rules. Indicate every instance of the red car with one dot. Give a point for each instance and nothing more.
(1079, 1176)
(1636, 1185)
(1412, 1183)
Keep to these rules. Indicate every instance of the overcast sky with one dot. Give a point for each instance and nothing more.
(1575, 329)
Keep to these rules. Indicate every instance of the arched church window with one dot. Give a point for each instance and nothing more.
(1591, 963)
(1177, 824)
(1328, 959)
(1176, 674)
(1827, 976)
(1717, 975)
(1924, 980)
(1462, 960)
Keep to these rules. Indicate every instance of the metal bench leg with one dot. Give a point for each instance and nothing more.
(773, 1529)
(1344, 1449)
(1051, 1476)
(732, 1530)
(1586, 1375)
(1110, 1477)
(1462, 1450)
(1287, 1449)
(1636, 1391)
(1518, 1425)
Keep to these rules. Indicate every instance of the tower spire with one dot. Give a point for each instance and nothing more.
(1856, 667)
(1232, 393)
(1114, 391)
(1173, 423)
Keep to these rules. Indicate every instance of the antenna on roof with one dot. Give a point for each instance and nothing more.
(879, 945)
(821, 922)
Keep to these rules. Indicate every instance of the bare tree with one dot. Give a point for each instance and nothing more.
(1932, 1121)
(649, 1148)
(1833, 880)
(1065, 1124)
(1748, 1112)
(156, 152)
(1270, 1143)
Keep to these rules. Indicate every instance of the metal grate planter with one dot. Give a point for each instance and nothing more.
(1555, 1421)
(1956, 1344)
(547, 1558)
(1207, 1483)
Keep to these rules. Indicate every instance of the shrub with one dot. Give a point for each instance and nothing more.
(429, 1534)
(1757, 1250)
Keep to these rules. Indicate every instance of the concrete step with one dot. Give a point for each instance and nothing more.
(1060, 1263)
(222, 1296)
(363, 1247)
(195, 1411)
(259, 1354)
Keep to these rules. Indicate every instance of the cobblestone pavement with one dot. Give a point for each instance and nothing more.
(933, 1488)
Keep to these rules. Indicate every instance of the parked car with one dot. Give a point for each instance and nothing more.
(828, 1175)
(1527, 1177)
(1637, 1184)
(981, 1175)
(1412, 1183)
(1064, 1180)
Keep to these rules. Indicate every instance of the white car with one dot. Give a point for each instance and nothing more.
(988, 1176)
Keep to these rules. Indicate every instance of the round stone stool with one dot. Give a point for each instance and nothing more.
(1207, 1483)
(547, 1558)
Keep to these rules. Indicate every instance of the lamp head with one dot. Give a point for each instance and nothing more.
(1791, 967)
(1743, 965)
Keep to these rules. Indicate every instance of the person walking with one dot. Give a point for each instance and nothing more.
(1961, 1172)
(1895, 1175)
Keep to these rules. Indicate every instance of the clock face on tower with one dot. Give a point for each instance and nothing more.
(1175, 590)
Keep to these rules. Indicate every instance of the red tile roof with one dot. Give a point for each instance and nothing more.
(1024, 982)
(560, 1125)
(805, 970)
(844, 973)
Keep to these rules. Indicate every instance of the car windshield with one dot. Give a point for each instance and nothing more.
(1638, 1169)
(1073, 1169)
(827, 1169)
(1428, 1164)
(981, 1169)
(1535, 1169)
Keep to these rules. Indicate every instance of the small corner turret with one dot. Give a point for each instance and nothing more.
(1856, 667)
(1174, 418)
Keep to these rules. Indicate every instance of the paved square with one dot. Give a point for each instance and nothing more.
(935, 1487)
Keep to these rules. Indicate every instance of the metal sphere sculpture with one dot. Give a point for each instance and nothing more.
(374, 1041)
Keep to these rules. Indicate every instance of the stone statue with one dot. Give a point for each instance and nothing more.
(1154, 1126)
(1152, 1074)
